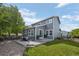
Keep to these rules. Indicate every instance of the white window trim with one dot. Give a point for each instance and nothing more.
(50, 20)
(39, 31)
(42, 32)
(49, 32)
(30, 33)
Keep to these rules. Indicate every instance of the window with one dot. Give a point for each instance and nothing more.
(46, 32)
(46, 22)
(50, 32)
(28, 32)
(40, 33)
(39, 23)
(32, 32)
(50, 20)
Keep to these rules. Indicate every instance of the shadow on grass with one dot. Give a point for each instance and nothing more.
(68, 42)
(26, 51)
(52, 42)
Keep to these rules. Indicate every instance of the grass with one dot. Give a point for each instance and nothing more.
(54, 48)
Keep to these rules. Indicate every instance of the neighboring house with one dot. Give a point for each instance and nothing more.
(65, 34)
(48, 28)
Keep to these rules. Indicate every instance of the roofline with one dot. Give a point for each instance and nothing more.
(47, 19)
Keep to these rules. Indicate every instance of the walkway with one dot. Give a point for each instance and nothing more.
(76, 40)
(11, 48)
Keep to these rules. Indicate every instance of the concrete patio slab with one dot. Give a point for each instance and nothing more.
(33, 43)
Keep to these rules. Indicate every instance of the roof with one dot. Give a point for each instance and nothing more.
(47, 19)
(29, 28)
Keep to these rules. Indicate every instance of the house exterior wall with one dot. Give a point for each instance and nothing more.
(56, 28)
(64, 34)
(30, 33)
(47, 26)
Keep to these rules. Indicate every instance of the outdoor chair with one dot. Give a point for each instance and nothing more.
(25, 39)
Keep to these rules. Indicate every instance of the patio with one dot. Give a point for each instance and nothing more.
(32, 43)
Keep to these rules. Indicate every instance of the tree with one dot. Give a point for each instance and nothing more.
(1, 4)
(10, 20)
(75, 33)
(18, 22)
(3, 19)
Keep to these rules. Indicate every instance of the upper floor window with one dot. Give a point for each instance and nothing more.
(39, 23)
(50, 20)
(46, 22)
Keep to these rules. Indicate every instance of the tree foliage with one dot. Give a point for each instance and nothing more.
(75, 33)
(10, 20)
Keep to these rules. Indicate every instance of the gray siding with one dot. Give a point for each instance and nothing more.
(44, 26)
(56, 28)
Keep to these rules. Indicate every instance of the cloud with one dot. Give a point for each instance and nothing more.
(68, 22)
(61, 5)
(76, 12)
(27, 13)
(29, 16)
(69, 27)
(29, 21)
(67, 16)
(70, 17)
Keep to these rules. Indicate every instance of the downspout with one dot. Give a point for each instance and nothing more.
(35, 34)
(53, 29)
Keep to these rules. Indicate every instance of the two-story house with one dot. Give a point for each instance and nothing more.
(48, 28)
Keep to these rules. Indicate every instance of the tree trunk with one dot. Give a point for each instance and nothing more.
(16, 35)
(9, 34)
(0, 33)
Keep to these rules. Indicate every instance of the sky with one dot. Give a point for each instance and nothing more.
(68, 13)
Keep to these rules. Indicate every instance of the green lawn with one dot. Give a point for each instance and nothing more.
(54, 48)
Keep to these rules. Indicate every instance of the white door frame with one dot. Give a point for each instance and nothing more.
(42, 32)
